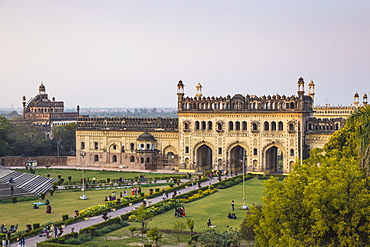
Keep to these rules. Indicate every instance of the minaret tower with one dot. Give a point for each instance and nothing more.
(364, 99)
(300, 93)
(24, 107)
(180, 94)
(42, 89)
(198, 92)
(356, 100)
(311, 90)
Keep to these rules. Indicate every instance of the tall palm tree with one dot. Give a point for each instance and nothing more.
(360, 120)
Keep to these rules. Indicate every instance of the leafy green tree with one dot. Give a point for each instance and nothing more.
(209, 238)
(143, 216)
(190, 224)
(155, 235)
(132, 229)
(323, 202)
(29, 140)
(178, 226)
(360, 121)
(5, 142)
(343, 138)
(65, 137)
(58, 136)
(69, 141)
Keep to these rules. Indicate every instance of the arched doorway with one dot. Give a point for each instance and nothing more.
(238, 157)
(204, 157)
(274, 159)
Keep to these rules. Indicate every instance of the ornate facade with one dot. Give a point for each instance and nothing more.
(265, 133)
(40, 110)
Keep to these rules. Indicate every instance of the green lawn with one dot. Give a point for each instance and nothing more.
(216, 207)
(99, 175)
(62, 202)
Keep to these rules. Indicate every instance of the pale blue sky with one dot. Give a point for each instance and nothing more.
(132, 53)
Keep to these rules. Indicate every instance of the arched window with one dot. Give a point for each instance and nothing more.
(142, 160)
(291, 127)
(203, 125)
(209, 125)
(280, 125)
(266, 125)
(255, 151)
(186, 150)
(196, 125)
(114, 158)
(148, 160)
(170, 155)
(254, 127)
(96, 158)
(237, 125)
(186, 125)
(132, 159)
(132, 146)
(148, 146)
(114, 147)
(273, 126)
(292, 105)
(244, 125)
(123, 149)
(219, 126)
(231, 125)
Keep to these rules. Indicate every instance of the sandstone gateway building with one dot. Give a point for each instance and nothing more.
(266, 133)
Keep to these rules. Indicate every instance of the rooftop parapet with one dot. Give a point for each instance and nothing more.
(127, 123)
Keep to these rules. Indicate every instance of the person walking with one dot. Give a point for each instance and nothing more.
(232, 205)
(22, 242)
(55, 231)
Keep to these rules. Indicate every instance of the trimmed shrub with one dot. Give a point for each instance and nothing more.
(51, 192)
(42, 196)
(69, 178)
(36, 225)
(64, 217)
(14, 199)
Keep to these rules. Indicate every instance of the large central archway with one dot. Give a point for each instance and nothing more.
(274, 159)
(204, 157)
(238, 157)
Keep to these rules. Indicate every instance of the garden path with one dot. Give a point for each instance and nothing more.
(32, 242)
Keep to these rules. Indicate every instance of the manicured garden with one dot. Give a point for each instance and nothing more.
(215, 206)
(67, 201)
(76, 174)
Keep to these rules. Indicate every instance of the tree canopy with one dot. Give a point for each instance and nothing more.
(326, 200)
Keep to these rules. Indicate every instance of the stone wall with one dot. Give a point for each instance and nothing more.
(41, 160)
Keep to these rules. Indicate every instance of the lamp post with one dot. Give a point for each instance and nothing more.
(244, 206)
(83, 197)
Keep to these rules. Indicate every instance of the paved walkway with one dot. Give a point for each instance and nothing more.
(32, 242)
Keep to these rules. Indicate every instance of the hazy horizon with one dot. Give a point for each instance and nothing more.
(119, 53)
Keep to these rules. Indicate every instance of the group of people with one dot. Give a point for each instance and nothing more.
(111, 197)
(180, 212)
(49, 231)
(231, 216)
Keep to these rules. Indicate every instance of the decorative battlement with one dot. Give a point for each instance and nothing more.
(239, 102)
(127, 123)
(324, 125)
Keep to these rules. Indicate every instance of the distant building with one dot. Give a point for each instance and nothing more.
(42, 111)
(265, 133)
